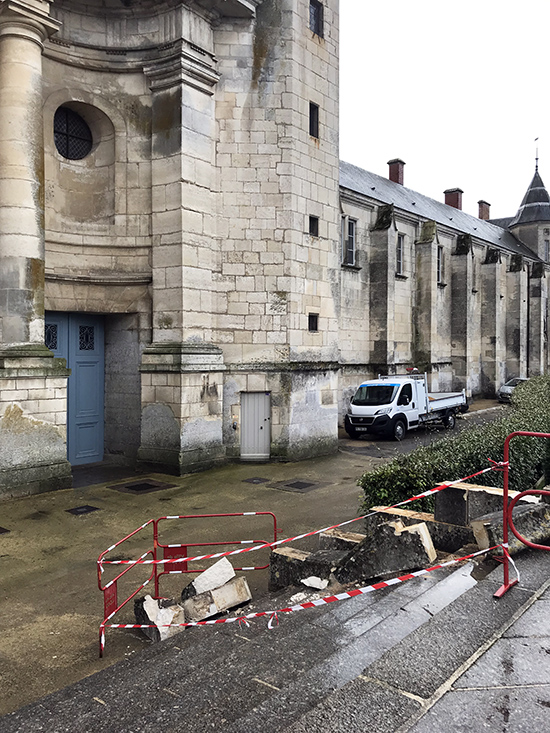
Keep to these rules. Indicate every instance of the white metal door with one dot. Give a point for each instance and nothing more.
(255, 426)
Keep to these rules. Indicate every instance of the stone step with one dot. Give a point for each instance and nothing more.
(239, 678)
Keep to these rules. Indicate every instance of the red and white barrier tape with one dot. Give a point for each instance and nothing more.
(166, 561)
(273, 615)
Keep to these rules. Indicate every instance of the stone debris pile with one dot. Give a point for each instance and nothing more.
(215, 591)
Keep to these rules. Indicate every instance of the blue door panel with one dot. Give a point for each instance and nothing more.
(79, 338)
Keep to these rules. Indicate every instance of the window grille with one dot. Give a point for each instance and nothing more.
(73, 137)
(86, 338)
(50, 336)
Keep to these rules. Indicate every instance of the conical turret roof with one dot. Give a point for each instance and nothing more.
(535, 205)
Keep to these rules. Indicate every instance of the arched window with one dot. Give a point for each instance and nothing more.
(73, 137)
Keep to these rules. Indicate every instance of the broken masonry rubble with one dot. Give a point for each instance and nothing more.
(400, 540)
(215, 591)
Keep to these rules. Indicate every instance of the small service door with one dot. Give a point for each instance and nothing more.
(255, 426)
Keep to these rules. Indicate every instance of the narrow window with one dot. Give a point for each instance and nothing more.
(313, 322)
(399, 254)
(314, 226)
(313, 119)
(316, 17)
(440, 268)
(348, 240)
(547, 250)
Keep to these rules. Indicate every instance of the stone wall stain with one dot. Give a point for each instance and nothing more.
(266, 34)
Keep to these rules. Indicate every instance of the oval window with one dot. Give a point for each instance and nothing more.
(73, 137)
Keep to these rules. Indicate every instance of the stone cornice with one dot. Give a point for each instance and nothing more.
(103, 279)
(184, 68)
(32, 14)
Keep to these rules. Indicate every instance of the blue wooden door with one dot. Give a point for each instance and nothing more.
(79, 338)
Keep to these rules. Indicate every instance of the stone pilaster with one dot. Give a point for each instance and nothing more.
(516, 318)
(23, 27)
(382, 280)
(537, 349)
(32, 383)
(493, 322)
(425, 320)
(182, 372)
(462, 294)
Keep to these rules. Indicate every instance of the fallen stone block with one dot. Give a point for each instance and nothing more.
(531, 521)
(462, 502)
(445, 537)
(392, 548)
(212, 602)
(288, 566)
(148, 610)
(335, 539)
(213, 577)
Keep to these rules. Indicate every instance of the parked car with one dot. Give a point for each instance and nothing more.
(505, 392)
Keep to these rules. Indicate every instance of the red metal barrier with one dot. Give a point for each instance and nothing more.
(110, 589)
(111, 604)
(507, 519)
(173, 551)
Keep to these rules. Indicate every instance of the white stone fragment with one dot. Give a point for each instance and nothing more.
(215, 576)
(314, 582)
(234, 593)
(160, 616)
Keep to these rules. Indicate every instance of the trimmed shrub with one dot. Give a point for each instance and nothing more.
(456, 457)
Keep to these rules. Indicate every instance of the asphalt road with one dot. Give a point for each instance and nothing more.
(378, 446)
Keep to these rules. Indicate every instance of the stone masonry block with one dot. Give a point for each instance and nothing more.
(531, 521)
(391, 549)
(213, 577)
(446, 537)
(147, 610)
(335, 539)
(234, 593)
(461, 503)
(289, 566)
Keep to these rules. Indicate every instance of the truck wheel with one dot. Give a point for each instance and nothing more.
(449, 421)
(399, 430)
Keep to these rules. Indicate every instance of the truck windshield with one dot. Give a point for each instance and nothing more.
(374, 394)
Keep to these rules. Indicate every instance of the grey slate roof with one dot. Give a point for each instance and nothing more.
(387, 192)
(535, 205)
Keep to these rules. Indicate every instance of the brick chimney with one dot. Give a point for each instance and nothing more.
(397, 170)
(484, 210)
(453, 197)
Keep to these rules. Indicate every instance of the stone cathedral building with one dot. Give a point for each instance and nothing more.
(188, 274)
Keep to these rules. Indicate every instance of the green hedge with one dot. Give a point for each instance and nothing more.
(455, 457)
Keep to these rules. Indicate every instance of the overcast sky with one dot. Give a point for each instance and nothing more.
(458, 90)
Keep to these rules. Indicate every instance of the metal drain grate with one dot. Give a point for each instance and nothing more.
(297, 486)
(3, 530)
(145, 486)
(85, 509)
(300, 485)
(255, 480)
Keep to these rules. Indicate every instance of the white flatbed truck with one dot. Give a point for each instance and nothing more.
(393, 405)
